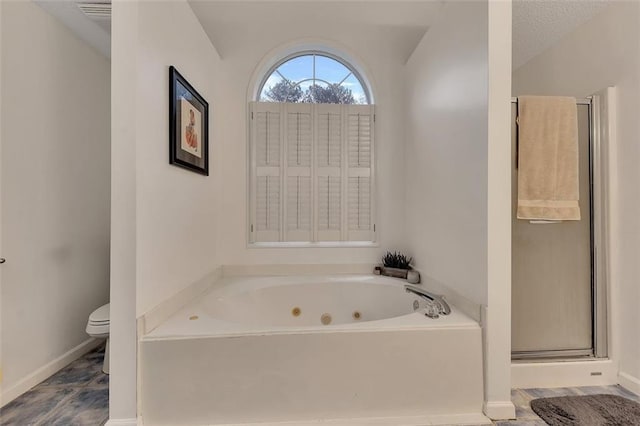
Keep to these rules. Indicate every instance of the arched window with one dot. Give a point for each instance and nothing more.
(313, 77)
(311, 154)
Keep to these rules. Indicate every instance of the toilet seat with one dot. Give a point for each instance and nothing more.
(98, 323)
(98, 327)
(101, 314)
(99, 331)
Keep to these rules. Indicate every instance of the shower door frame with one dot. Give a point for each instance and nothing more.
(598, 231)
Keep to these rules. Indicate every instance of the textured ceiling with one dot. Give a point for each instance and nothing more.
(539, 24)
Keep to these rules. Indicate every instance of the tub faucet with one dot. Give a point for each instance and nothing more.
(443, 306)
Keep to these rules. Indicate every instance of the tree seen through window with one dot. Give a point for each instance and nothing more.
(313, 78)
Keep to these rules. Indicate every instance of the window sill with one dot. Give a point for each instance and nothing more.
(326, 244)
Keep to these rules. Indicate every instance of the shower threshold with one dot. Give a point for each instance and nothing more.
(554, 355)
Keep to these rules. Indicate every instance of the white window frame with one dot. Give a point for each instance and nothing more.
(346, 172)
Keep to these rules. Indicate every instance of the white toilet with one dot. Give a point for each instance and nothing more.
(98, 327)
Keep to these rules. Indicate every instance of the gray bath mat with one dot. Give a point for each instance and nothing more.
(588, 410)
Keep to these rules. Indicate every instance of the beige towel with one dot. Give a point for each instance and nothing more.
(547, 158)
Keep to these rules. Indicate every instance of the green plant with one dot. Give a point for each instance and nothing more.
(396, 260)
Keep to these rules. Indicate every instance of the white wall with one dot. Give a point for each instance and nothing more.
(55, 191)
(176, 209)
(384, 67)
(606, 52)
(123, 367)
(164, 217)
(446, 150)
(497, 316)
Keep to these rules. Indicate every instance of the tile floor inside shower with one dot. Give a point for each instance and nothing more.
(78, 395)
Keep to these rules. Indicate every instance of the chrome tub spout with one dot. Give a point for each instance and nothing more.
(437, 299)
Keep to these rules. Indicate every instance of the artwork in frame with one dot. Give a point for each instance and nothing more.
(188, 125)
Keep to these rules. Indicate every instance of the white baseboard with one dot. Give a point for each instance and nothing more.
(158, 314)
(499, 410)
(629, 382)
(122, 422)
(563, 374)
(46, 371)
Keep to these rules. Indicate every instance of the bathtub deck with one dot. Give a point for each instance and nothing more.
(192, 322)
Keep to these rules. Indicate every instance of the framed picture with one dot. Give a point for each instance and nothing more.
(188, 125)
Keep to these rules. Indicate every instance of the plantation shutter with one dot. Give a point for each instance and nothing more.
(329, 165)
(266, 180)
(311, 175)
(297, 172)
(359, 139)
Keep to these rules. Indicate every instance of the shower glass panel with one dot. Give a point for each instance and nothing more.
(552, 270)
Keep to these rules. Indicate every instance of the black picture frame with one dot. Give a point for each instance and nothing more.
(188, 125)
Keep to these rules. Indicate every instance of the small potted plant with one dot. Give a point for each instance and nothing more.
(398, 265)
(395, 265)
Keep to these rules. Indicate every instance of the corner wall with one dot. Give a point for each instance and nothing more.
(446, 151)
(164, 229)
(457, 157)
(124, 101)
(55, 194)
(605, 51)
(497, 316)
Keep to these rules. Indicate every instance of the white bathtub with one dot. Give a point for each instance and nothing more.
(311, 349)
